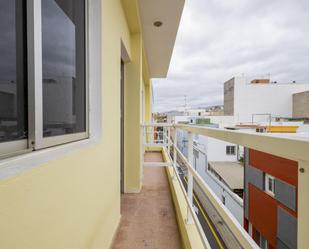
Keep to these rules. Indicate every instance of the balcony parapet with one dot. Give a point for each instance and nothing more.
(290, 146)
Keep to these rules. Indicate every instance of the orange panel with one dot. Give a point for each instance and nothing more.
(263, 213)
(281, 168)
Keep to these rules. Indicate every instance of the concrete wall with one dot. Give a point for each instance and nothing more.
(216, 151)
(229, 97)
(276, 99)
(232, 201)
(301, 105)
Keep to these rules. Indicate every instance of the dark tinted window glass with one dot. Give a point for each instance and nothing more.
(64, 88)
(13, 78)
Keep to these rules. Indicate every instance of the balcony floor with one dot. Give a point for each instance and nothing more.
(148, 218)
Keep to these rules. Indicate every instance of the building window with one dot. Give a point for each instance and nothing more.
(13, 77)
(261, 241)
(250, 229)
(269, 184)
(43, 83)
(230, 150)
(223, 199)
(64, 84)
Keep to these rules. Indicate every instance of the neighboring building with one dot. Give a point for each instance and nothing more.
(216, 110)
(301, 105)
(229, 173)
(270, 202)
(210, 151)
(259, 100)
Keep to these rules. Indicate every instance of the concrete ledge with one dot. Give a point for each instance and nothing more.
(190, 236)
(189, 233)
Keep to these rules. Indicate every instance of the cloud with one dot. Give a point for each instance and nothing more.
(220, 39)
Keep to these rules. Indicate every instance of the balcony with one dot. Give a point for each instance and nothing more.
(176, 207)
(148, 218)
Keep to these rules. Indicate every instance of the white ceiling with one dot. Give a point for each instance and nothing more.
(159, 42)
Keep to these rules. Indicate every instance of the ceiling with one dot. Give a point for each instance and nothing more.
(159, 41)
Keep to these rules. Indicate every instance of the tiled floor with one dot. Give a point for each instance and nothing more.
(153, 156)
(148, 218)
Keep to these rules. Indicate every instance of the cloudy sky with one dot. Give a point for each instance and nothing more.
(219, 39)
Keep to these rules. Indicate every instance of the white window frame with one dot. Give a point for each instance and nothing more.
(250, 230)
(260, 241)
(35, 139)
(265, 242)
(266, 184)
(14, 147)
(19, 156)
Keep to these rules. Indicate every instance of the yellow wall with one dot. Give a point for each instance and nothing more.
(133, 91)
(73, 202)
(148, 103)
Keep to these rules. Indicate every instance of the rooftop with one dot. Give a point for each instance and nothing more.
(231, 172)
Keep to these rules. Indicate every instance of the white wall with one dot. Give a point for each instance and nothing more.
(233, 202)
(276, 99)
(216, 151)
(210, 149)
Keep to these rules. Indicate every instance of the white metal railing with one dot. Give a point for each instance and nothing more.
(155, 135)
(283, 146)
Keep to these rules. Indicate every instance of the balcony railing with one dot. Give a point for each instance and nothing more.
(287, 146)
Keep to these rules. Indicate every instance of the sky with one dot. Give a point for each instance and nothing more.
(220, 39)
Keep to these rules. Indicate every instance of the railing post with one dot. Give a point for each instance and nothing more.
(175, 145)
(190, 177)
(168, 140)
(152, 129)
(303, 203)
(175, 152)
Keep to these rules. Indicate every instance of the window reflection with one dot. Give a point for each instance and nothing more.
(13, 94)
(63, 41)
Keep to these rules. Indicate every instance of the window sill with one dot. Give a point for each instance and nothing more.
(15, 165)
(270, 193)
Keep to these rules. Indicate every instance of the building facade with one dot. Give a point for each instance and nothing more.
(242, 99)
(270, 202)
(300, 105)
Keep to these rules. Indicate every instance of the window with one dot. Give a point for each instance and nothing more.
(223, 199)
(250, 229)
(43, 83)
(13, 76)
(269, 183)
(64, 88)
(261, 241)
(230, 150)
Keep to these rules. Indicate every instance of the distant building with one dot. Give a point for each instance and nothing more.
(270, 200)
(260, 99)
(301, 105)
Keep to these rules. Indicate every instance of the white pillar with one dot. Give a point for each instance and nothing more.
(303, 204)
(168, 140)
(175, 145)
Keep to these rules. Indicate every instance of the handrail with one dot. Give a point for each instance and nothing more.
(242, 236)
(283, 145)
(290, 146)
(190, 207)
